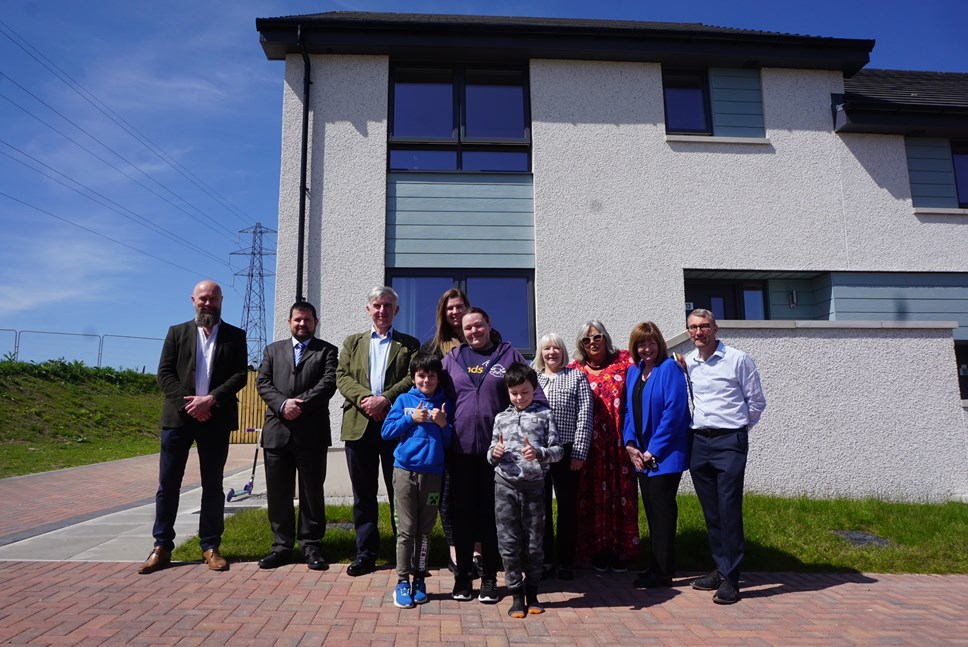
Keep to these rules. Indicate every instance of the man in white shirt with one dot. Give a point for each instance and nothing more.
(727, 401)
(373, 369)
(202, 367)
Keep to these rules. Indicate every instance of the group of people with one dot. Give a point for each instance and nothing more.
(465, 426)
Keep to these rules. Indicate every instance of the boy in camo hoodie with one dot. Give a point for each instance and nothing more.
(523, 444)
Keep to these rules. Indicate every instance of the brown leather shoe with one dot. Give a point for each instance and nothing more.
(215, 561)
(157, 560)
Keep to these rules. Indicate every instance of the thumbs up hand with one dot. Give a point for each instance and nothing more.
(529, 453)
(498, 450)
(420, 414)
(439, 416)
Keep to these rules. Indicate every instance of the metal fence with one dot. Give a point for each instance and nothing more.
(114, 351)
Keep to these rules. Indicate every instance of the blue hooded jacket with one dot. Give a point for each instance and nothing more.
(421, 446)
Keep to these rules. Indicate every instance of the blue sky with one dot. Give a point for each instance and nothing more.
(196, 155)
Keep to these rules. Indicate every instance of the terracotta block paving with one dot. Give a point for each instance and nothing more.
(108, 603)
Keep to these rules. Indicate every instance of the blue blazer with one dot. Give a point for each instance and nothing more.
(665, 416)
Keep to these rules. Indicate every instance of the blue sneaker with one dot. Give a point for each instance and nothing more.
(419, 591)
(401, 595)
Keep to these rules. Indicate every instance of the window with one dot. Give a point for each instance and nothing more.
(506, 295)
(718, 101)
(686, 102)
(728, 299)
(447, 119)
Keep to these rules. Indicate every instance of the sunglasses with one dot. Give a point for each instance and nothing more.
(585, 341)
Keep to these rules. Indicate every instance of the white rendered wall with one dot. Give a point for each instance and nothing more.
(346, 209)
(620, 211)
(854, 410)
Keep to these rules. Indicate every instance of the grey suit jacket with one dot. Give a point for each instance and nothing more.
(313, 380)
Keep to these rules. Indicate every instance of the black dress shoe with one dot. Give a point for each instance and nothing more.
(708, 582)
(276, 559)
(361, 566)
(315, 561)
(726, 594)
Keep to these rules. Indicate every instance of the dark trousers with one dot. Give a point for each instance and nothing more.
(213, 449)
(472, 513)
(520, 516)
(662, 513)
(718, 467)
(285, 467)
(364, 459)
(564, 481)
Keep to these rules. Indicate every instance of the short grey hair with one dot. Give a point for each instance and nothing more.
(551, 339)
(583, 332)
(382, 291)
(705, 314)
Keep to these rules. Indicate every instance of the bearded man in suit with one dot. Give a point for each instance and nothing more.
(202, 367)
(374, 368)
(297, 379)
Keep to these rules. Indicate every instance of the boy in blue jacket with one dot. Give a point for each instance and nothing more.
(422, 421)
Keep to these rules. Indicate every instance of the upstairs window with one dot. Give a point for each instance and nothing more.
(459, 119)
(718, 101)
(959, 160)
(938, 172)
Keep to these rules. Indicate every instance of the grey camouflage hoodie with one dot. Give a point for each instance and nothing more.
(535, 423)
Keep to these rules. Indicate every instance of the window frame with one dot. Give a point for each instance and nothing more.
(460, 142)
(960, 149)
(679, 78)
(460, 278)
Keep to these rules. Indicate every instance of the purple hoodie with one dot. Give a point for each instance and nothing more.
(476, 406)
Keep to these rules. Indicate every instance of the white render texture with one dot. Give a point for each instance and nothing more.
(346, 209)
(854, 411)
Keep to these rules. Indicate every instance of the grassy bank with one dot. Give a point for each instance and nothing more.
(63, 414)
(781, 535)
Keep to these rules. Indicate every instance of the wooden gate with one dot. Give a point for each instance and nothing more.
(252, 413)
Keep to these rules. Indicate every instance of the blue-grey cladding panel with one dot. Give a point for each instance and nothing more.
(737, 103)
(931, 173)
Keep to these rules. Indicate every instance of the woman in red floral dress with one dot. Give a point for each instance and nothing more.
(608, 504)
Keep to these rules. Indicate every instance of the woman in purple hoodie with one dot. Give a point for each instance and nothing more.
(476, 386)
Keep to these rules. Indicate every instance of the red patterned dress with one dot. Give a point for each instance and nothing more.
(608, 504)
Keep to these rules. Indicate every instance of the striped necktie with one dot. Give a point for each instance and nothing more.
(298, 350)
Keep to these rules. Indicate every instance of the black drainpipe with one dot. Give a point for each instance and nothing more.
(303, 163)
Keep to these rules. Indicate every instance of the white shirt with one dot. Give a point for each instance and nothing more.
(204, 359)
(379, 354)
(726, 389)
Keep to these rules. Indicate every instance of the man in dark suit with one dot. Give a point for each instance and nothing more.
(297, 379)
(374, 368)
(202, 367)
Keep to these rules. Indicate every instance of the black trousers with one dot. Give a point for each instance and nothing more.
(472, 513)
(718, 467)
(364, 459)
(662, 514)
(564, 482)
(286, 467)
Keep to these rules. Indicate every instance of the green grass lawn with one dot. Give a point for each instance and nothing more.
(781, 535)
(62, 414)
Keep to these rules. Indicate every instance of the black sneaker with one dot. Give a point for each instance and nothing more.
(618, 565)
(600, 563)
(709, 582)
(726, 594)
(488, 590)
(462, 589)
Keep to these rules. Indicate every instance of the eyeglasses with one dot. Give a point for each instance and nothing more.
(696, 327)
(585, 341)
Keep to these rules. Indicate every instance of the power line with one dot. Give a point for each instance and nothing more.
(226, 232)
(97, 233)
(104, 109)
(120, 210)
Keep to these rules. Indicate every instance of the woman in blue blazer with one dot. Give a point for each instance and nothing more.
(656, 434)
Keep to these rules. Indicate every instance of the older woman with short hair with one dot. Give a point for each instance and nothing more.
(608, 504)
(570, 399)
(656, 433)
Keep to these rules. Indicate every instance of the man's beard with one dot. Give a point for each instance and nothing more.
(208, 319)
